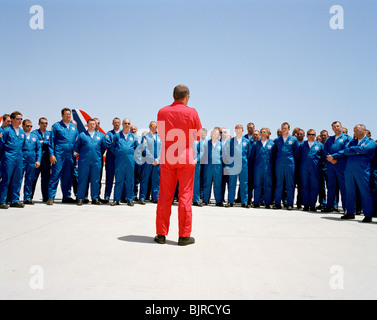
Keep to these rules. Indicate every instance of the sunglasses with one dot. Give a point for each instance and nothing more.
(44, 123)
(311, 134)
(28, 126)
(19, 119)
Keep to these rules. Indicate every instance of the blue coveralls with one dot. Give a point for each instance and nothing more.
(90, 150)
(374, 182)
(359, 171)
(199, 150)
(335, 172)
(285, 168)
(151, 150)
(32, 153)
(124, 165)
(11, 156)
(311, 160)
(213, 170)
(262, 163)
(109, 164)
(1, 134)
(61, 144)
(137, 173)
(250, 182)
(237, 156)
(45, 167)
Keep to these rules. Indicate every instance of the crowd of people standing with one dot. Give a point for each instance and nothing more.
(318, 172)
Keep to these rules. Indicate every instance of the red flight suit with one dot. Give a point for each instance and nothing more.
(178, 126)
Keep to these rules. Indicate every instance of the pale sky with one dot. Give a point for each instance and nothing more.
(244, 61)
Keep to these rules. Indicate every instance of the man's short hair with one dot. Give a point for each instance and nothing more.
(324, 131)
(64, 110)
(42, 118)
(91, 119)
(286, 123)
(26, 121)
(180, 92)
(5, 116)
(335, 122)
(14, 114)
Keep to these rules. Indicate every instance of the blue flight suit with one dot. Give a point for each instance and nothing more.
(374, 181)
(311, 160)
(285, 168)
(151, 150)
(109, 164)
(11, 155)
(124, 150)
(45, 167)
(213, 170)
(237, 156)
(1, 134)
(225, 177)
(358, 173)
(262, 163)
(335, 172)
(199, 150)
(62, 139)
(32, 153)
(250, 182)
(90, 150)
(137, 179)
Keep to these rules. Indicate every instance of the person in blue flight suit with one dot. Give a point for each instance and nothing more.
(310, 157)
(237, 156)
(110, 159)
(286, 152)
(262, 161)
(213, 167)
(150, 169)
(358, 173)
(12, 141)
(6, 123)
(224, 138)
(323, 185)
(124, 145)
(336, 165)
(137, 173)
(62, 138)
(199, 150)
(32, 155)
(44, 169)
(90, 147)
(374, 182)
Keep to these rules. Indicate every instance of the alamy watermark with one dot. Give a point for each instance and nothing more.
(36, 21)
(36, 281)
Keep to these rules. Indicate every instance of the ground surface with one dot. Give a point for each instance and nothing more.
(103, 252)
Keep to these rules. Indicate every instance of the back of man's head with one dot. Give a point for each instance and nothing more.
(180, 92)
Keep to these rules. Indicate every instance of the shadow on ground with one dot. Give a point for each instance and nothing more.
(143, 239)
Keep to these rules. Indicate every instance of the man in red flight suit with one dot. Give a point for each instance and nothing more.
(179, 126)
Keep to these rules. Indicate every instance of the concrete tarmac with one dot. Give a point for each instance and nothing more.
(101, 252)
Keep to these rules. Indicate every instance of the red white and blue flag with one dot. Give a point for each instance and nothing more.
(81, 117)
